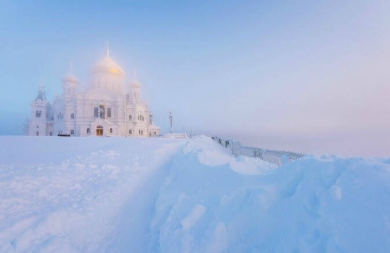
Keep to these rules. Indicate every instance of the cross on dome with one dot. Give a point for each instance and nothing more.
(134, 82)
(70, 78)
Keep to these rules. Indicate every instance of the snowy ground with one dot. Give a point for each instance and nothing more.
(175, 195)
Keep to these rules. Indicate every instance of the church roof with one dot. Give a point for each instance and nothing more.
(41, 94)
(109, 66)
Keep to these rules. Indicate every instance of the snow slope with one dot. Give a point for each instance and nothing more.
(210, 203)
(176, 195)
(65, 194)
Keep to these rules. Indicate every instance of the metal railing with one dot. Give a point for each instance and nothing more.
(277, 157)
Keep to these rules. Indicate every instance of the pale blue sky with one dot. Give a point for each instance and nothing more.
(308, 76)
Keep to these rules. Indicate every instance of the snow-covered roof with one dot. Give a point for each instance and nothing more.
(153, 127)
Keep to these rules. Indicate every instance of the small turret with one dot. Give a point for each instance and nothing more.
(135, 89)
(70, 83)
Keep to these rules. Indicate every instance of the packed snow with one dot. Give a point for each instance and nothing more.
(185, 195)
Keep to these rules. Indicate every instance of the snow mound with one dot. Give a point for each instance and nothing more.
(213, 155)
(325, 204)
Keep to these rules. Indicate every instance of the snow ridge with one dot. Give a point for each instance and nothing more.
(325, 204)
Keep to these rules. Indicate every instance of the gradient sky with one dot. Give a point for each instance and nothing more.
(308, 76)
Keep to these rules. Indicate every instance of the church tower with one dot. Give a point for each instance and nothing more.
(69, 84)
(135, 89)
(40, 110)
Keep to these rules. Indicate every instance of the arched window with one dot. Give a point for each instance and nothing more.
(130, 117)
(72, 132)
(95, 112)
(88, 131)
(37, 133)
(110, 130)
(72, 116)
(108, 112)
(130, 131)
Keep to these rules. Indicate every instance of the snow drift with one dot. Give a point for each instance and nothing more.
(325, 204)
(165, 195)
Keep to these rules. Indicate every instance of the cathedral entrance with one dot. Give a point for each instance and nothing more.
(99, 131)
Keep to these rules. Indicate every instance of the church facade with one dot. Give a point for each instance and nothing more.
(107, 107)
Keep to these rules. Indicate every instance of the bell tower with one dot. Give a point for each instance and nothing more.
(40, 109)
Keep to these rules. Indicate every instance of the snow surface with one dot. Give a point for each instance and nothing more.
(180, 195)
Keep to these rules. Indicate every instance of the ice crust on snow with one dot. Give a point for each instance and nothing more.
(180, 195)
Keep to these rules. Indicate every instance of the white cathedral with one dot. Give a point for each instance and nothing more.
(108, 107)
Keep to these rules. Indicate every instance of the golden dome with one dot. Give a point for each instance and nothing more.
(108, 66)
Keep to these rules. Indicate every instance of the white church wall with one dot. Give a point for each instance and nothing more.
(38, 118)
(49, 129)
(37, 128)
